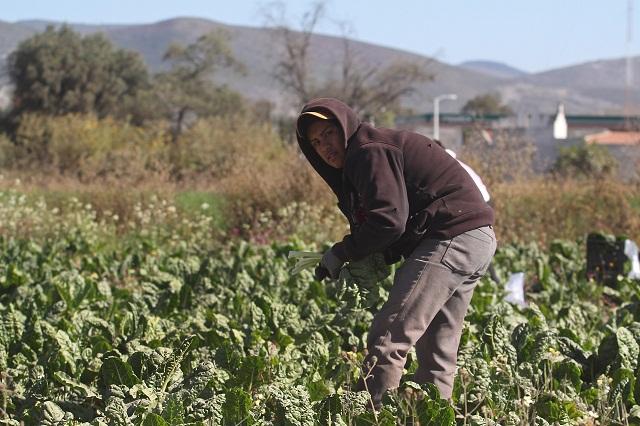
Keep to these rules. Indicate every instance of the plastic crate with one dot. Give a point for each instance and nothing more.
(605, 258)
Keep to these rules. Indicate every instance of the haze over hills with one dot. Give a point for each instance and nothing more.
(590, 88)
(495, 69)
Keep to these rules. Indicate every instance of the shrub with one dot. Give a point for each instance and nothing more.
(310, 223)
(269, 186)
(543, 210)
(6, 148)
(85, 148)
(584, 161)
(486, 104)
(248, 162)
(213, 148)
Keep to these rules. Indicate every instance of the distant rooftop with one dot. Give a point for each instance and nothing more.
(613, 138)
(451, 118)
(614, 122)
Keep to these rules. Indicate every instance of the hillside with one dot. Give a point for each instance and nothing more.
(604, 80)
(586, 88)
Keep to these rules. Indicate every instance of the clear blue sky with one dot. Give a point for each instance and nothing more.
(533, 35)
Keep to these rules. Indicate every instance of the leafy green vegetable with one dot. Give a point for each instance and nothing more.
(163, 330)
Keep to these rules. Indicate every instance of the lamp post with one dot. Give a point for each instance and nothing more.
(436, 112)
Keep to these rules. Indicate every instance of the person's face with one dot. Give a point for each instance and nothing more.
(327, 139)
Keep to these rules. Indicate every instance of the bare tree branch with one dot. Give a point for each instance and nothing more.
(292, 70)
(367, 87)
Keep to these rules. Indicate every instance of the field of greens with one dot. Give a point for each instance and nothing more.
(161, 322)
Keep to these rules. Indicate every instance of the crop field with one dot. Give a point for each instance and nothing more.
(158, 321)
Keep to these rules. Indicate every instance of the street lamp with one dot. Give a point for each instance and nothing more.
(436, 112)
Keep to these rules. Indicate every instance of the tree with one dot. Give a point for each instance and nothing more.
(487, 104)
(188, 87)
(59, 72)
(369, 88)
(584, 161)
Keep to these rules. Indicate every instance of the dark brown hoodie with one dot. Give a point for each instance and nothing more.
(396, 187)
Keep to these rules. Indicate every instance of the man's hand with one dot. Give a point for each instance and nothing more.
(320, 273)
(329, 266)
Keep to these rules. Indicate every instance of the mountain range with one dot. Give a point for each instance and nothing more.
(596, 87)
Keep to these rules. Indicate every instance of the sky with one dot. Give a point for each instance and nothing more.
(530, 35)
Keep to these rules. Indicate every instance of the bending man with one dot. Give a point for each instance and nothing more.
(404, 196)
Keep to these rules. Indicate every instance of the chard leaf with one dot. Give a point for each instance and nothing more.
(237, 406)
(173, 411)
(433, 410)
(114, 371)
(153, 419)
(67, 380)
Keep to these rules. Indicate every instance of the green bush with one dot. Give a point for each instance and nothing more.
(216, 148)
(59, 71)
(584, 161)
(86, 148)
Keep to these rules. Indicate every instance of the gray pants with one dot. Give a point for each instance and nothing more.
(426, 308)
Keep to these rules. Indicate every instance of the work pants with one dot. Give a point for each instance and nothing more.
(426, 308)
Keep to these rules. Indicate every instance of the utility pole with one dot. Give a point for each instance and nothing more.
(629, 65)
(436, 112)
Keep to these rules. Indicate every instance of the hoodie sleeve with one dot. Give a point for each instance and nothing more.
(376, 173)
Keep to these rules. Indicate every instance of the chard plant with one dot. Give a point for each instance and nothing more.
(155, 329)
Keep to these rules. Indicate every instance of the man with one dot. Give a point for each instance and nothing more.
(406, 197)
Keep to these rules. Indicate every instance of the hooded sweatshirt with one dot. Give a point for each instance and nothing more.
(395, 188)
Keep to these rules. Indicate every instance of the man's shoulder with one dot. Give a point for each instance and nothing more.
(373, 138)
(367, 155)
(371, 148)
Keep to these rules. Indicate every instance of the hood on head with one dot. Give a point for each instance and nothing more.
(349, 123)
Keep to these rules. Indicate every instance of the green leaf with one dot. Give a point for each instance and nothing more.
(252, 372)
(52, 413)
(173, 412)
(367, 272)
(628, 349)
(237, 405)
(382, 418)
(318, 389)
(636, 388)
(329, 409)
(435, 412)
(431, 391)
(14, 277)
(73, 289)
(288, 404)
(622, 386)
(169, 369)
(572, 349)
(114, 371)
(590, 395)
(153, 419)
(141, 364)
(553, 409)
(67, 380)
(569, 370)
